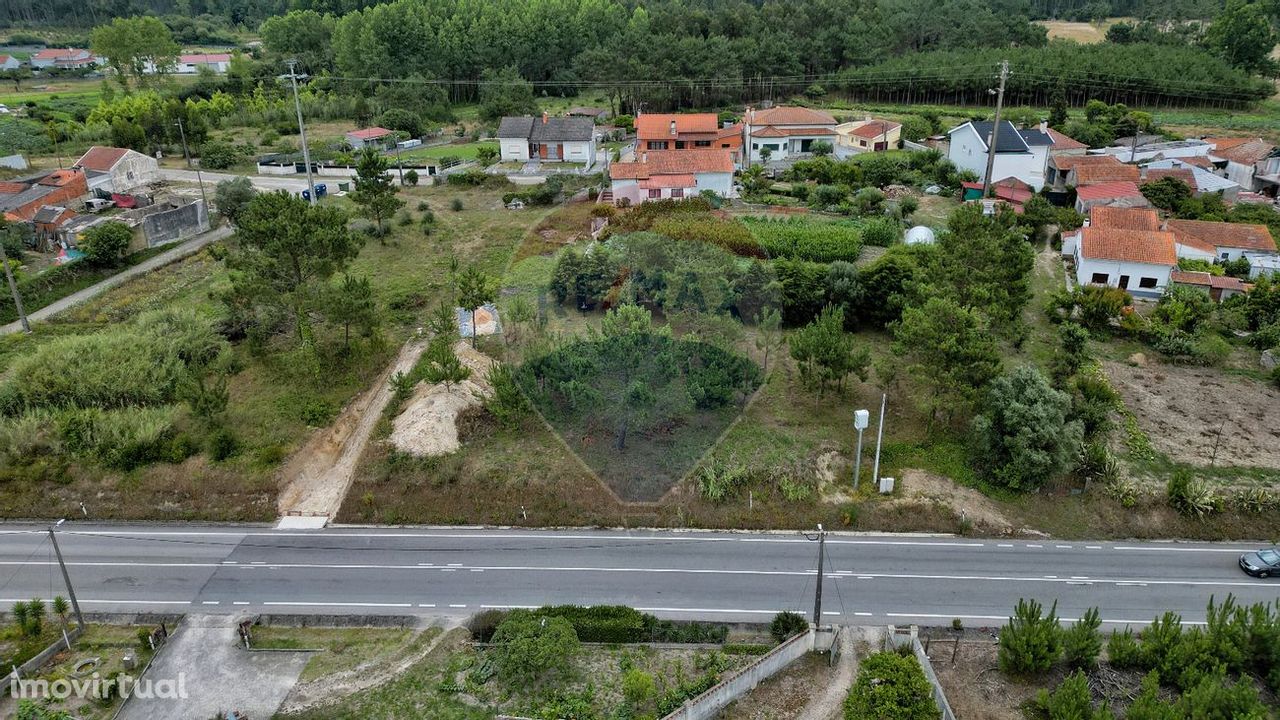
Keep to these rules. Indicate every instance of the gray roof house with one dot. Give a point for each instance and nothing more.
(1021, 154)
(547, 139)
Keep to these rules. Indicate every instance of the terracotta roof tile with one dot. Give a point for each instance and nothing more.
(1140, 246)
(369, 133)
(1064, 142)
(1093, 174)
(1108, 190)
(205, 58)
(1184, 174)
(875, 128)
(784, 115)
(1067, 162)
(1246, 153)
(673, 162)
(1190, 277)
(1223, 143)
(1123, 218)
(658, 125)
(101, 158)
(1222, 234)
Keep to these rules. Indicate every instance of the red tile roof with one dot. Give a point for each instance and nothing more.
(771, 131)
(369, 133)
(59, 53)
(1123, 218)
(1204, 279)
(733, 131)
(658, 125)
(101, 158)
(875, 128)
(1067, 162)
(784, 115)
(669, 181)
(4, 59)
(1224, 143)
(1222, 234)
(1108, 191)
(1139, 246)
(1199, 161)
(1063, 142)
(1246, 153)
(1184, 174)
(11, 188)
(1104, 173)
(673, 162)
(206, 58)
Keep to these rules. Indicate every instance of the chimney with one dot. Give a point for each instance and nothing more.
(1044, 126)
(673, 128)
(544, 117)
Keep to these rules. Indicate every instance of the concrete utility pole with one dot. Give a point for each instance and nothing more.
(13, 288)
(187, 154)
(302, 128)
(995, 130)
(860, 418)
(817, 596)
(75, 605)
(875, 472)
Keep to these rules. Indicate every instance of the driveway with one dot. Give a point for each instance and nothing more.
(190, 247)
(206, 660)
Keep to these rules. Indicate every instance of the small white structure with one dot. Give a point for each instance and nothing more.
(786, 132)
(1021, 154)
(920, 235)
(1260, 265)
(1252, 163)
(673, 174)
(14, 162)
(191, 64)
(1139, 261)
(117, 170)
(547, 139)
(9, 62)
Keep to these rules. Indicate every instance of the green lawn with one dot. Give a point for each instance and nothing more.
(466, 151)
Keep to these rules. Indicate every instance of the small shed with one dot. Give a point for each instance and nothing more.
(920, 235)
(375, 137)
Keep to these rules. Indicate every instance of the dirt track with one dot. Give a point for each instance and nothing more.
(1186, 411)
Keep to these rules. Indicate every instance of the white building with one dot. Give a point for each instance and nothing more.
(786, 132)
(9, 62)
(1260, 265)
(1021, 154)
(117, 170)
(191, 64)
(1254, 164)
(1227, 241)
(1203, 181)
(1158, 150)
(672, 175)
(547, 139)
(63, 58)
(374, 137)
(1138, 261)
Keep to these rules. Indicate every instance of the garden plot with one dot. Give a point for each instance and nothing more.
(1186, 411)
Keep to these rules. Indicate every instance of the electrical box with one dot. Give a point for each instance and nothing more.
(886, 485)
(860, 419)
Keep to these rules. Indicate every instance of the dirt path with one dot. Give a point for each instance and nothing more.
(316, 479)
(328, 689)
(190, 247)
(827, 704)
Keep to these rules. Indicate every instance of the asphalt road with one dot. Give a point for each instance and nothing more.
(728, 576)
(266, 183)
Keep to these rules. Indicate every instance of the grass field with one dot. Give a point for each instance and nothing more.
(1081, 32)
(466, 151)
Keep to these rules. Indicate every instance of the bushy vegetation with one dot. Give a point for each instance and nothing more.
(891, 685)
(786, 624)
(803, 239)
(1023, 436)
(609, 624)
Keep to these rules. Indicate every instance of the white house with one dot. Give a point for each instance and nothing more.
(1227, 241)
(1253, 163)
(547, 139)
(117, 170)
(1139, 261)
(1021, 154)
(374, 137)
(9, 62)
(1125, 152)
(672, 174)
(786, 132)
(63, 58)
(1202, 182)
(1111, 216)
(191, 64)
(1260, 265)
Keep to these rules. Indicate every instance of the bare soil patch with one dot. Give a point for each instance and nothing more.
(1186, 411)
(783, 696)
(429, 423)
(966, 502)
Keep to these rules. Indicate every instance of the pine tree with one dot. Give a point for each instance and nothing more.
(374, 191)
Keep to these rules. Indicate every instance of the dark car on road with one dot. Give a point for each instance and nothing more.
(1262, 563)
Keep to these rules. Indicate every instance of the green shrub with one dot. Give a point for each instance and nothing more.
(121, 438)
(602, 623)
(531, 648)
(106, 244)
(1031, 641)
(881, 231)
(891, 685)
(222, 445)
(485, 623)
(1071, 700)
(456, 204)
(1123, 651)
(1190, 496)
(1081, 642)
(786, 624)
(805, 239)
(731, 235)
(637, 687)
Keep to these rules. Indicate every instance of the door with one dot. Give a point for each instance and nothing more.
(881, 146)
(1124, 282)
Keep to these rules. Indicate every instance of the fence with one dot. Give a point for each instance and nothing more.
(901, 637)
(706, 705)
(39, 660)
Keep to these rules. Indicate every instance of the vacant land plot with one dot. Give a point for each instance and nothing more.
(1202, 416)
(1081, 32)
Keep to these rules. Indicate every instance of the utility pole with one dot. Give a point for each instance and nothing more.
(875, 472)
(302, 128)
(187, 154)
(75, 605)
(995, 130)
(859, 423)
(817, 596)
(13, 287)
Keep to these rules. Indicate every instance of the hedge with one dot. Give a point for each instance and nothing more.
(611, 624)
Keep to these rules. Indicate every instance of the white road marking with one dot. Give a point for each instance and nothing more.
(239, 602)
(1034, 546)
(338, 604)
(1182, 549)
(1092, 547)
(1005, 545)
(509, 607)
(209, 602)
(863, 614)
(1063, 547)
(426, 605)
(457, 606)
(708, 610)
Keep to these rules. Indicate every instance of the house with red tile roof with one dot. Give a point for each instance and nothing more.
(20, 200)
(191, 64)
(1117, 218)
(869, 135)
(63, 58)
(1253, 163)
(686, 131)
(375, 137)
(1139, 261)
(117, 170)
(1121, 194)
(1227, 241)
(785, 132)
(1219, 287)
(672, 174)
(9, 62)
(1062, 144)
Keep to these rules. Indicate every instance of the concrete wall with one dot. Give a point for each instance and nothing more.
(513, 149)
(899, 637)
(706, 705)
(176, 224)
(29, 667)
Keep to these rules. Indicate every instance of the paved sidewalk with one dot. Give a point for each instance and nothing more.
(216, 674)
(178, 252)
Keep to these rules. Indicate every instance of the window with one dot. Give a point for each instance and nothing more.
(657, 144)
(755, 146)
(724, 145)
(702, 143)
(1099, 278)
(654, 194)
(1226, 256)
(680, 144)
(1146, 282)
(677, 192)
(1124, 282)
(863, 143)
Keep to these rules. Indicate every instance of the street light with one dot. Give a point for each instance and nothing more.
(860, 420)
